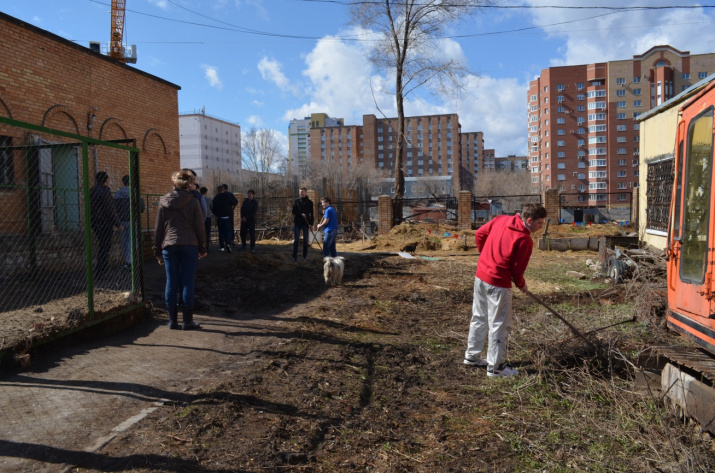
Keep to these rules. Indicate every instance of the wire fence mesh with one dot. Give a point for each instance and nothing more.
(65, 234)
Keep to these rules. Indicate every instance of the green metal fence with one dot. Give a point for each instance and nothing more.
(62, 254)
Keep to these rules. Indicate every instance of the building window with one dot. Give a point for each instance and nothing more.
(621, 104)
(621, 116)
(621, 173)
(561, 177)
(621, 93)
(579, 85)
(637, 103)
(580, 97)
(580, 108)
(533, 98)
(621, 81)
(621, 139)
(702, 75)
(561, 166)
(560, 132)
(560, 121)
(561, 154)
(560, 109)
(686, 76)
(637, 80)
(559, 87)
(636, 91)
(560, 143)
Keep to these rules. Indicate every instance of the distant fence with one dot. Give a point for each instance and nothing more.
(595, 208)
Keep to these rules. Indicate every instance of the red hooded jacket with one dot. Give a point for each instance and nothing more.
(504, 251)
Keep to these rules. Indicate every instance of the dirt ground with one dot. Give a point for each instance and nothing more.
(368, 376)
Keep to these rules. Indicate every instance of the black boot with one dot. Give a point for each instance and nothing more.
(173, 324)
(189, 323)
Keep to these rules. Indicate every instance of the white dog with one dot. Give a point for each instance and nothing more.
(333, 270)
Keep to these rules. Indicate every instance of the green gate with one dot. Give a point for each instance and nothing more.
(64, 262)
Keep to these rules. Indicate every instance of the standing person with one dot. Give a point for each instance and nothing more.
(330, 222)
(505, 247)
(249, 208)
(179, 242)
(103, 220)
(222, 207)
(207, 215)
(232, 224)
(302, 219)
(121, 203)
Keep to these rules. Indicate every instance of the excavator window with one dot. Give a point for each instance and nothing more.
(698, 186)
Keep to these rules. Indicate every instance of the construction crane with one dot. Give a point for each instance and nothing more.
(116, 36)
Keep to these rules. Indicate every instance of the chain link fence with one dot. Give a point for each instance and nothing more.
(67, 222)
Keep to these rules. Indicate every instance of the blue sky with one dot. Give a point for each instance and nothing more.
(265, 80)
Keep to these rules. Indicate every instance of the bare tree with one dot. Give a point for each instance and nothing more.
(500, 183)
(409, 31)
(261, 153)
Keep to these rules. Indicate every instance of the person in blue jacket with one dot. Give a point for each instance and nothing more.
(330, 222)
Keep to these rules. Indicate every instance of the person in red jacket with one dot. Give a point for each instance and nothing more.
(504, 246)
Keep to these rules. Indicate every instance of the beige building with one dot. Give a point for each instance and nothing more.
(583, 124)
(657, 137)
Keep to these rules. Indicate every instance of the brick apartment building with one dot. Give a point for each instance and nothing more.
(582, 127)
(49, 81)
(299, 141)
(435, 147)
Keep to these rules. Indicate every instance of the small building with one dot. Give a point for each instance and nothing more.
(657, 141)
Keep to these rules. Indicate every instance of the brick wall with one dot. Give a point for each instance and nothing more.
(47, 80)
(464, 217)
(551, 203)
(384, 214)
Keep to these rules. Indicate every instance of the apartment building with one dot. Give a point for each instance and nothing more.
(511, 163)
(433, 148)
(299, 141)
(472, 157)
(210, 146)
(582, 120)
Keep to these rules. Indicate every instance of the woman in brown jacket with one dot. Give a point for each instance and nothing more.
(179, 242)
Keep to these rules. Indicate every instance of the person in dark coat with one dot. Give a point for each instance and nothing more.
(223, 205)
(303, 217)
(233, 226)
(103, 220)
(179, 242)
(249, 208)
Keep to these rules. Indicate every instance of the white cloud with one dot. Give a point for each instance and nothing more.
(343, 86)
(617, 36)
(270, 70)
(211, 74)
(163, 4)
(257, 103)
(255, 121)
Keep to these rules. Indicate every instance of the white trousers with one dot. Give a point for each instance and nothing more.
(491, 312)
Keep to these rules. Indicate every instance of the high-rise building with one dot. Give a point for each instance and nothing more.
(210, 146)
(299, 141)
(583, 136)
(434, 147)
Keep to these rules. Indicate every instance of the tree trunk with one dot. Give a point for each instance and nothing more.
(398, 201)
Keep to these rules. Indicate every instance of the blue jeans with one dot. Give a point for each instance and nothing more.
(180, 262)
(225, 231)
(296, 230)
(329, 243)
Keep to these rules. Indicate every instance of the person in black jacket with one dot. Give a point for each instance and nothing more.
(104, 219)
(248, 219)
(222, 207)
(302, 219)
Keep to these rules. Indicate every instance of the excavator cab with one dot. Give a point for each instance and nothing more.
(691, 236)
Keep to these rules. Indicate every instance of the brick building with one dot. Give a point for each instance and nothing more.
(49, 81)
(582, 125)
(435, 147)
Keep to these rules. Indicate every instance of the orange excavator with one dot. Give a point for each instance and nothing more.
(688, 375)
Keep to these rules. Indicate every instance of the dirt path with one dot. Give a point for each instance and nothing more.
(79, 399)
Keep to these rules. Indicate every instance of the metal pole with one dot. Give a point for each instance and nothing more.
(568, 324)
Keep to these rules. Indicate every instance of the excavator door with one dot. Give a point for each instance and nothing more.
(691, 301)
